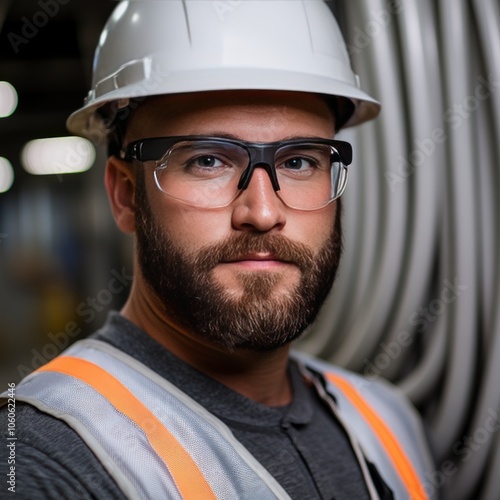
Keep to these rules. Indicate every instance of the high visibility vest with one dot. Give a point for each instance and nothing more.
(157, 442)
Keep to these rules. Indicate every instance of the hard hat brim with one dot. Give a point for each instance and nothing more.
(83, 121)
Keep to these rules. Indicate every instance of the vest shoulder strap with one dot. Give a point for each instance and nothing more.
(384, 423)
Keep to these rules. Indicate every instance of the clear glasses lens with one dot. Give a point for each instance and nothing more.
(202, 173)
(310, 175)
(206, 173)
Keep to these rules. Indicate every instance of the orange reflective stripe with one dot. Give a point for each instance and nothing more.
(186, 474)
(387, 438)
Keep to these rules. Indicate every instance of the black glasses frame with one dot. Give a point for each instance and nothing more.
(261, 154)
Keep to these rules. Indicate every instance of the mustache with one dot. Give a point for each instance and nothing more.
(234, 247)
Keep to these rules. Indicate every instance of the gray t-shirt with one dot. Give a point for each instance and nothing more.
(301, 445)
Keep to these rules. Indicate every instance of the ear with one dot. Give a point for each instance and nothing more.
(120, 185)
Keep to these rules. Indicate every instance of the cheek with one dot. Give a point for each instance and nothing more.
(198, 228)
(315, 228)
(189, 228)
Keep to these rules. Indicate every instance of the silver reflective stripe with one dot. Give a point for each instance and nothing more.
(54, 394)
(231, 471)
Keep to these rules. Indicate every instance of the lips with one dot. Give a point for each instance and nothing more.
(258, 257)
(261, 261)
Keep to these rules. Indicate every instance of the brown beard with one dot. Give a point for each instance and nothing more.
(257, 320)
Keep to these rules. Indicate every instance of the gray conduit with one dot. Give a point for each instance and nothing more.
(491, 481)
(487, 457)
(372, 314)
(461, 230)
(421, 87)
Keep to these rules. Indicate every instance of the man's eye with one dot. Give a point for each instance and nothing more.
(297, 164)
(206, 162)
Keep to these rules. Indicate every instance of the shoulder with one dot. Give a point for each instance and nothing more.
(51, 461)
(376, 391)
(377, 404)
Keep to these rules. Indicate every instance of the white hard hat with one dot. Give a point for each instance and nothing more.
(152, 47)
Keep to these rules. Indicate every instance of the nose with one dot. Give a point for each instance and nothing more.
(258, 208)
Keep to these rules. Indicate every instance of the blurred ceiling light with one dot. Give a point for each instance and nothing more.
(58, 155)
(8, 99)
(6, 175)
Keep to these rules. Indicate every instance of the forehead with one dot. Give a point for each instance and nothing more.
(242, 113)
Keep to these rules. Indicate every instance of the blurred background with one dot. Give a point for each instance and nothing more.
(58, 243)
(418, 294)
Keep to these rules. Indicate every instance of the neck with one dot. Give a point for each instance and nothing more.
(261, 377)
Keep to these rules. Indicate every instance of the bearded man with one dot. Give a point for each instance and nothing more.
(223, 164)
